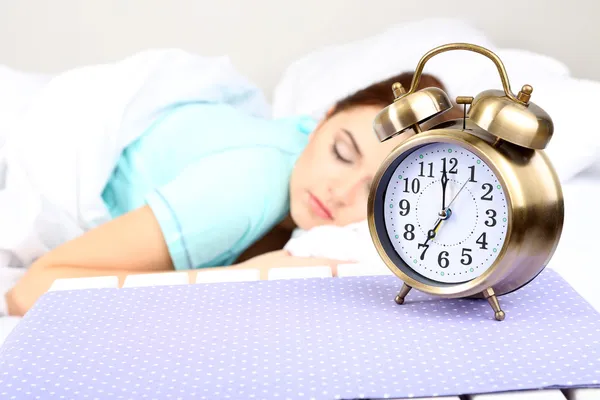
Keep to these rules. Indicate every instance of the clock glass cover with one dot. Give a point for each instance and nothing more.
(445, 212)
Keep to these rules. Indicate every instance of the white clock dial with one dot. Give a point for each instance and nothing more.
(446, 213)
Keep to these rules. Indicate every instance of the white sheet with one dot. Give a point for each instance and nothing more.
(576, 257)
(7, 324)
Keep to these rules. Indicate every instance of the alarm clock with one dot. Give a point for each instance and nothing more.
(467, 208)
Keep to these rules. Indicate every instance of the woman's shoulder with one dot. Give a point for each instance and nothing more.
(214, 127)
(221, 204)
(249, 180)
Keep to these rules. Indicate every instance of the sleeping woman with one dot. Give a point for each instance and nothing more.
(232, 197)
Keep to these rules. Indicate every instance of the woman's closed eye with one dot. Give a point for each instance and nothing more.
(345, 147)
(342, 152)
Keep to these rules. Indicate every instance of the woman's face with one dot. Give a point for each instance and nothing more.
(331, 180)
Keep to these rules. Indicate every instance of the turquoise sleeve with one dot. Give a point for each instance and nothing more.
(220, 205)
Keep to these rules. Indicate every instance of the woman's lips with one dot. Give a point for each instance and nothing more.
(318, 208)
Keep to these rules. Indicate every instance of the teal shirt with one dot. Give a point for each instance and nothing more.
(217, 179)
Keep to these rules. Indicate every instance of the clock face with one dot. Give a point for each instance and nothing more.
(446, 213)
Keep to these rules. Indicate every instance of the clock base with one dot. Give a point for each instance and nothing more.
(490, 295)
(403, 292)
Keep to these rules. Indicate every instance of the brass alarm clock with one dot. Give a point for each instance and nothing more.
(471, 207)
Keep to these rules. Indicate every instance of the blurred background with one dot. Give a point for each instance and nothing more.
(263, 36)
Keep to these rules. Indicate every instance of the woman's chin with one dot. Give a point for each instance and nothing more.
(303, 218)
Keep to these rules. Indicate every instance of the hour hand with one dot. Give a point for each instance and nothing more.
(430, 235)
(444, 181)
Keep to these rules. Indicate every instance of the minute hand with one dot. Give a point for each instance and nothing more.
(455, 196)
(444, 182)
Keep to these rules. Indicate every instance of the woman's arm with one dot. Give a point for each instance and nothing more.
(130, 244)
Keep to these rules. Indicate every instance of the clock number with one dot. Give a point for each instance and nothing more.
(430, 170)
(487, 196)
(472, 179)
(469, 259)
(415, 185)
(409, 233)
(443, 261)
(481, 240)
(492, 216)
(404, 207)
(423, 253)
(453, 164)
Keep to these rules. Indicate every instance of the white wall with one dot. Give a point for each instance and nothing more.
(262, 36)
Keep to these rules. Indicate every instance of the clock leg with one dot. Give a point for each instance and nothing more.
(493, 300)
(403, 292)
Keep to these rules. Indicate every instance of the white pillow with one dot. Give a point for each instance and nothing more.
(313, 83)
(571, 102)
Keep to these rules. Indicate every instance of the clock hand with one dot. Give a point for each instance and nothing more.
(444, 182)
(430, 235)
(455, 196)
(442, 215)
(433, 232)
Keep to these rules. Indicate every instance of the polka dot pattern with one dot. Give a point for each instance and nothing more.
(297, 339)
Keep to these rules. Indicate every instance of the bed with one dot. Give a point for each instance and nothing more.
(332, 50)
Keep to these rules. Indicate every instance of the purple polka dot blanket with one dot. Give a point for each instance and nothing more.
(319, 338)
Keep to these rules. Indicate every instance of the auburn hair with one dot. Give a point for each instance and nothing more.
(380, 95)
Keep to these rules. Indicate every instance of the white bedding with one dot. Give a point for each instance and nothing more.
(7, 324)
(576, 257)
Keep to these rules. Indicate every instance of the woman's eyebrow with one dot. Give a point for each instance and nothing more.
(351, 136)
